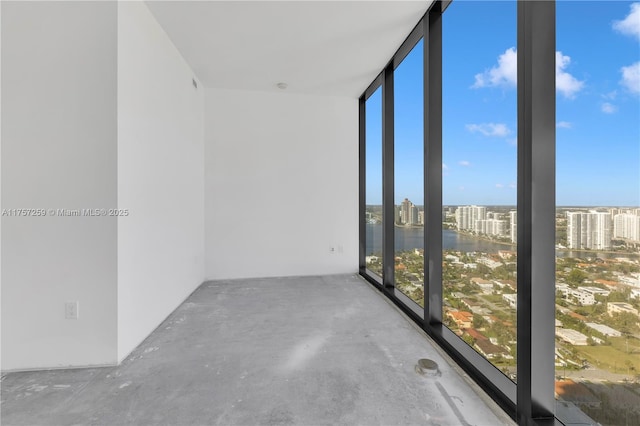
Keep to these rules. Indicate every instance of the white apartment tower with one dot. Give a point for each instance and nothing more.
(405, 211)
(413, 216)
(490, 227)
(513, 222)
(466, 216)
(626, 226)
(592, 230)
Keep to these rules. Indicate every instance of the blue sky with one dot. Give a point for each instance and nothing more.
(598, 107)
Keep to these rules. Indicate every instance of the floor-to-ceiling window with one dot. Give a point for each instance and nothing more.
(408, 169)
(479, 178)
(506, 242)
(373, 215)
(598, 210)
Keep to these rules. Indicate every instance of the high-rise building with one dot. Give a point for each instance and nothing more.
(405, 211)
(626, 226)
(513, 223)
(413, 216)
(466, 216)
(490, 227)
(592, 230)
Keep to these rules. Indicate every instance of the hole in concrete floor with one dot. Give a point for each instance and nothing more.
(427, 367)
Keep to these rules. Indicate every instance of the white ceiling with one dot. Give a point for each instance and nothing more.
(316, 47)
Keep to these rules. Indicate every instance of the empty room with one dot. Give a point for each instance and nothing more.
(320, 212)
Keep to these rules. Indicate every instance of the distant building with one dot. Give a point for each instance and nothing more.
(621, 307)
(604, 329)
(582, 297)
(596, 291)
(475, 334)
(489, 262)
(463, 319)
(489, 350)
(631, 280)
(466, 216)
(485, 286)
(626, 226)
(592, 230)
(452, 258)
(405, 211)
(408, 213)
(608, 283)
(414, 217)
(507, 254)
(511, 299)
(511, 284)
(571, 336)
(563, 288)
(490, 227)
(513, 222)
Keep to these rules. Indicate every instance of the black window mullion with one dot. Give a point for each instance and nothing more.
(432, 69)
(362, 184)
(388, 249)
(536, 212)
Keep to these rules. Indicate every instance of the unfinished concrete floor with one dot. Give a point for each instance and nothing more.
(323, 350)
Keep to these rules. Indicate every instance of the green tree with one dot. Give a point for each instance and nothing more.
(478, 321)
(624, 322)
(576, 277)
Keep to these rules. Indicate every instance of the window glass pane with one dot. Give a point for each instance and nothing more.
(373, 181)
(598, 212)
(409, 174)
(479, 177)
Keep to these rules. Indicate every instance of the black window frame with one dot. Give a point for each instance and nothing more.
(531, 400)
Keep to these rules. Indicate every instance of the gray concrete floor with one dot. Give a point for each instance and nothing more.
(325, 350)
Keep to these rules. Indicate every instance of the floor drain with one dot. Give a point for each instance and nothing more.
(427, 367)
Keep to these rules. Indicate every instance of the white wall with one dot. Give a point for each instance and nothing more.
(58, 152)
(160, 177)
(281, 184)
(99, 111)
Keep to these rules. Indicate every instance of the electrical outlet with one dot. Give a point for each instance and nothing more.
(71, 310)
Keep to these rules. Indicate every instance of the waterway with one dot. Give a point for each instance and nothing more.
(411, 238)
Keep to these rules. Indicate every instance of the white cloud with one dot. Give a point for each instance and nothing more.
(630, 25)
(444, 166)
(631, 77)
(489, 129)
(464, 163)
(499, 185)
(611, 95)
(461, 188)
(608, 108)
(504, 74)
(564, 125)
(566, 84)
(513, 185)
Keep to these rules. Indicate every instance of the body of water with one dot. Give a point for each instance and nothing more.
(410, 238)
